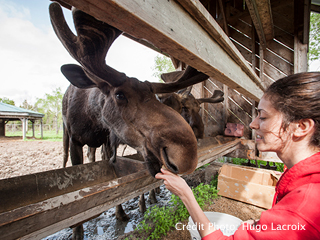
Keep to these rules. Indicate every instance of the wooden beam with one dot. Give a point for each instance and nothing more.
(224, 18)
(216, 148)
(301, 34)
(146, 44)
(306, 21)
(315, 8)
(204, 18)
(260, 12)
(168, 26)
(300, 56)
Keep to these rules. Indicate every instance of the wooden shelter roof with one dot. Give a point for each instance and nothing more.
(10, 112)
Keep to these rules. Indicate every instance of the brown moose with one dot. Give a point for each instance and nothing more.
(102, 100)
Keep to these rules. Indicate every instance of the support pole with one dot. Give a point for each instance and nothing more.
(24, 128)
(2, 127)
(32, 121)
(41, 128)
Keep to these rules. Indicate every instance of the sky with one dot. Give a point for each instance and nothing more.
(31, 54)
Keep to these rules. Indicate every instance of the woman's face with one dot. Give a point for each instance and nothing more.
(270, 136)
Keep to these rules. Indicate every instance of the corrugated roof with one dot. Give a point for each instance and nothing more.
(9, 110)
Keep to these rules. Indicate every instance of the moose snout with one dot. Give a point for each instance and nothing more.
(177, 148)
(166, 162)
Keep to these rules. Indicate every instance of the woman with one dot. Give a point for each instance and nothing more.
(288, 123)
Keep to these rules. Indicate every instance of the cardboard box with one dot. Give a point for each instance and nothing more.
(246, 184)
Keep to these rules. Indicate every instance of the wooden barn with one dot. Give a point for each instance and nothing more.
(12, 113)
(242, 45)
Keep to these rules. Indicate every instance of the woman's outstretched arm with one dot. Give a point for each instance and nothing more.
(179, 187)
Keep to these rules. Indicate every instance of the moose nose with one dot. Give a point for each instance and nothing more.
(169, 165)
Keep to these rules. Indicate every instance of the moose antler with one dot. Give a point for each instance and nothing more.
(186, 78)
(90, 48)
(216, 97)
(177, 76)
(91, 44)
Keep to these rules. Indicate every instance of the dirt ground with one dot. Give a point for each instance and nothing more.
(18, 157)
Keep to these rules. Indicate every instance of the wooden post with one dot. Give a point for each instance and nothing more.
(32, 121)
(205, 105)
(225, 105)
(301, 35)
(254, 115)
(27, 127)
(261, 64)
(300, 56)
(24, 129)
(41, 128)
(2, 127)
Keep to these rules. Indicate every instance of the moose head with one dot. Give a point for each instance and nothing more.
(187, 105)
(127, 106)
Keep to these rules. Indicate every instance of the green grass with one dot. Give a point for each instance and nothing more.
(47, 135)
(240, 161)
(159, 220)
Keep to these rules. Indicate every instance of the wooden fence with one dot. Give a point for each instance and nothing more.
(37, 205)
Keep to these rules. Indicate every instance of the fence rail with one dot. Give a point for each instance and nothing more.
(17, 127)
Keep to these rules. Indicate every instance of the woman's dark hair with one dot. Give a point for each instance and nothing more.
(297, 97)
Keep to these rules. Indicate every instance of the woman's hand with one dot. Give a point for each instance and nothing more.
(179, 187)
(174, 183)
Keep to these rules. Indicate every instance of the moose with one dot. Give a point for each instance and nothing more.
(101, 100)
(188, 106)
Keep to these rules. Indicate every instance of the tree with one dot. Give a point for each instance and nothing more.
(162, 64)
(314, 37)
(51, 105)
(7, 101)
(26, 105)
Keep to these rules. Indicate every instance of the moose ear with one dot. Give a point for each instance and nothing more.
(76, 76)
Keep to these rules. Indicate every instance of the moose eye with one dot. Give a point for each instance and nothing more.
(185, 109)
(120, 96)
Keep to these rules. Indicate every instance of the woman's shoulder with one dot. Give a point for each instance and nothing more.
(301, 201)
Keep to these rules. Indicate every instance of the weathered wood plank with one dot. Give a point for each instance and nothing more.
(281, 50)
(157, 22)
(268, 80)
(243, 27)
(284, 37)
(237, 98)
(40, 215)
(283, 19)
(245, 53)
(273, 73)
(261, 16)
(300, 56)
(315, 8)
(83, 216)
(210, 25)
(23, 190)
(241, 38)
(224, 145)
(44, 217)
(278, 63)
(239, 116)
